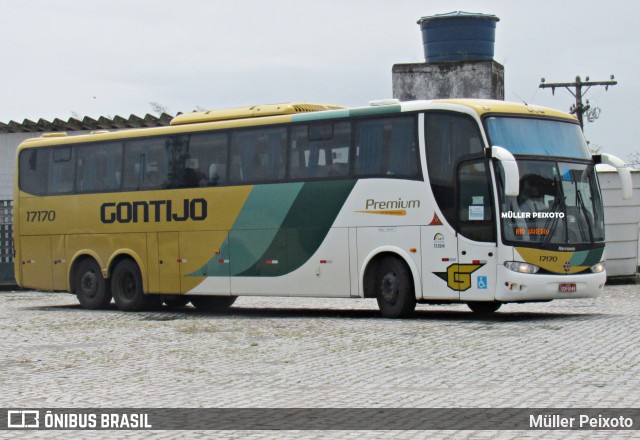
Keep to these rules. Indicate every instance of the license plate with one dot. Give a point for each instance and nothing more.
(568, 288)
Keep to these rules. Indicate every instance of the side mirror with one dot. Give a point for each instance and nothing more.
(623, 172)
(510, 167)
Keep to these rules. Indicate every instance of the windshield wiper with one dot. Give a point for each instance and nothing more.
(552, 222)
(585, 213)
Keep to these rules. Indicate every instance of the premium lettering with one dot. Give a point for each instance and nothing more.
(392, 204)
(155, 211)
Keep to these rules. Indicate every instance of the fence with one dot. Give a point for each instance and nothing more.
(6, 242)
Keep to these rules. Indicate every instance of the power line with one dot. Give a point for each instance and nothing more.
(581, 88)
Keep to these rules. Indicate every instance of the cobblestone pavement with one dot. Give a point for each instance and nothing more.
(290, 352)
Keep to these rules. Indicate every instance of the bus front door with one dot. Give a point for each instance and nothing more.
(475, 276)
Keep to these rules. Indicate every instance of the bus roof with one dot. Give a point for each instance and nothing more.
(485, 106)
(294, 112)
(252, 112)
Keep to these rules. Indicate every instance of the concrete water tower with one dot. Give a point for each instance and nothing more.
(458, 49)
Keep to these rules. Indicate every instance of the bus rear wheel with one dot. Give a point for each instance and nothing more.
(126, 287)
(212, 303)
(91, 289)
(484, 307)
(395, 291)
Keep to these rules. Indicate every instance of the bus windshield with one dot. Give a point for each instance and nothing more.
(533, 136)
(559, 203)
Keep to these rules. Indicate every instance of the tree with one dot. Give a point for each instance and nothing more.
(159, 109)
(633, 159)
(594, 148)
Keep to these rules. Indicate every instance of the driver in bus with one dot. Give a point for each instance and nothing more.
(533, 196)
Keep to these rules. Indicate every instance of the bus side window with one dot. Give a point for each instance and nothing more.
(146, 164)
(475, 208)
(320, 150)
(99, 167)
(61, 175)
(187, 167)
(403, 156)
(258, 155)
(34, 170)
(449, 137)
(386, 147)
(369, 144)
(304, 155)
(241, 158)
(209, 152)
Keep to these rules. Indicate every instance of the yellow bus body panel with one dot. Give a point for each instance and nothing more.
(49, 249)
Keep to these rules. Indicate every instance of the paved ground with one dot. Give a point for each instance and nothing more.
(274, 352)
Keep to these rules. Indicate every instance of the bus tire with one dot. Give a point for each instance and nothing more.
(395, 290)
(484, 307)
(175, 301)
(127, 290)
(91, 289)
(211, 303)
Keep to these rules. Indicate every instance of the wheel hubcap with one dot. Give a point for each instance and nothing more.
(390, 287)
(88, 284)
(129, 286)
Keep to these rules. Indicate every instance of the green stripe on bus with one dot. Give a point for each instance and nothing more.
(586, 258)
(336, 114)
(303, 230)
(319, 116)
(375, 110)
(254, 229)
(279, 228)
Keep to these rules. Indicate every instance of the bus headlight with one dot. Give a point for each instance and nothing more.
(518, 266)
(598, 268)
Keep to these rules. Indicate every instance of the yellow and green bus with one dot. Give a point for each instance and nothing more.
(448, 201)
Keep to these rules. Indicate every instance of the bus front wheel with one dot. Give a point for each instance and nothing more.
(126, 287)
(212, 303)
(91, 289)
(395, 291)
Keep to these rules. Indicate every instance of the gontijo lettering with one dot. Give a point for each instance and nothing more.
(154, 211)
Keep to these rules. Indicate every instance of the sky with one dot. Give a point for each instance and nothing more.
(105, 58)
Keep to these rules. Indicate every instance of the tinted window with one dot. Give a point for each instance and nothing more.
(538, 136)
(449, 138)
(99, 167)
(386, 147)
(258, 155)
(147, 163)
(184, 169)
(320, 150)
(475, 202)
(61, 174)
(34, 170)
(206, 158)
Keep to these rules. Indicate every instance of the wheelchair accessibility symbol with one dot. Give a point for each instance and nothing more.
(482, 282)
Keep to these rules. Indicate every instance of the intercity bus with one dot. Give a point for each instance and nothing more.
(405, 202)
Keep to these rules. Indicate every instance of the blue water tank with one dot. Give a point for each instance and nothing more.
(458, 36)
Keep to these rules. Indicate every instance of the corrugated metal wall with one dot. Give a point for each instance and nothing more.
(622, 224)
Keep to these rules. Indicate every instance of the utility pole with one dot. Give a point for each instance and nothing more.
(579, 109)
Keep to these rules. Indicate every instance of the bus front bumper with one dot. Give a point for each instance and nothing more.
(517, 287)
